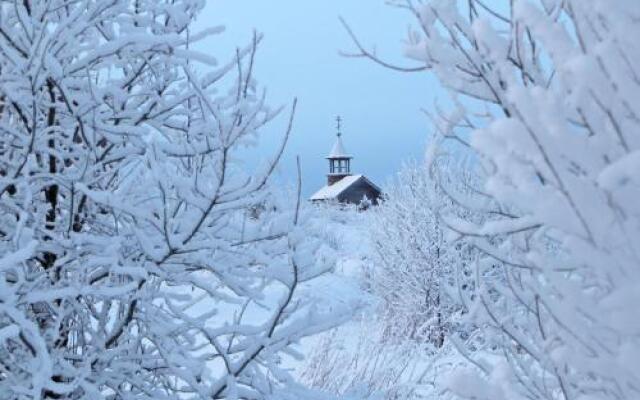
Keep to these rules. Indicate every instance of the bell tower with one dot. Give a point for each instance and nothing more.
(343, 187)
(339, 160)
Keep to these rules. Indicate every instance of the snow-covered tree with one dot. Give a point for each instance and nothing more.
(548, 95)
(415, 269)
(138, 257)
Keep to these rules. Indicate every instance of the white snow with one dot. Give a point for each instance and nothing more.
(333, 191)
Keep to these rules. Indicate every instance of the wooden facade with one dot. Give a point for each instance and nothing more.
(358, 191)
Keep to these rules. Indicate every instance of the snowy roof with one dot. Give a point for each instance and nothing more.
(333, 191)
(338, 150)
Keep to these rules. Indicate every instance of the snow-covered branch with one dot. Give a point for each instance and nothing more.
(139, 258)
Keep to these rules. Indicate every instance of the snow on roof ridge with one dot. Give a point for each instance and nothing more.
(333, 191)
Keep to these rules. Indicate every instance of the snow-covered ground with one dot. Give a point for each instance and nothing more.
(354, 360)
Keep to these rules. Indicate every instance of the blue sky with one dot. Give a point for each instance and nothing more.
(299, 57)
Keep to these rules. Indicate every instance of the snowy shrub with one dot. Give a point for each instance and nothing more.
(132, 261)
(356, 360)
(548, 98)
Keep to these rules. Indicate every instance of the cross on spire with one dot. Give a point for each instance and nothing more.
(339, 125)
